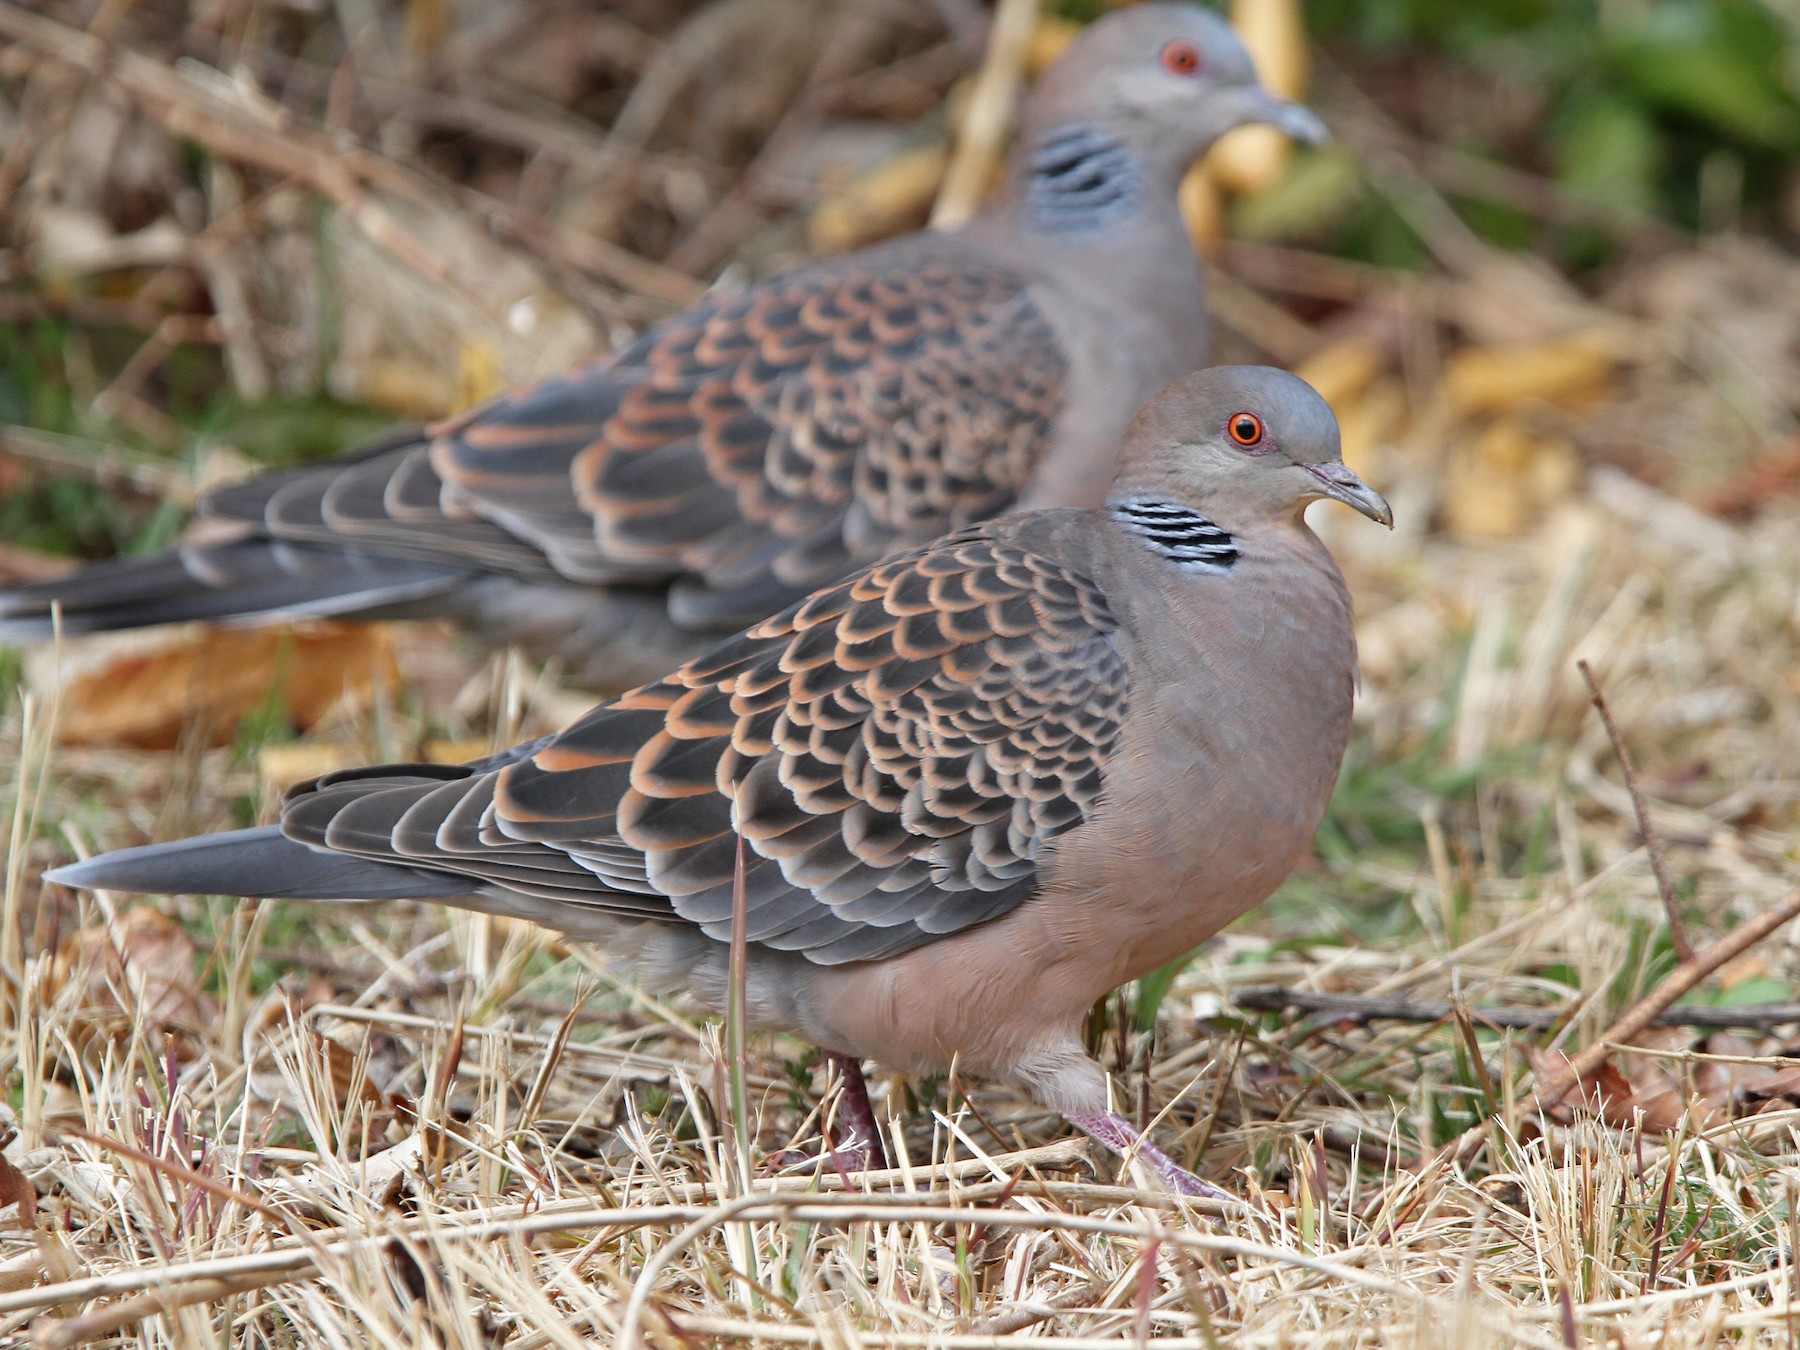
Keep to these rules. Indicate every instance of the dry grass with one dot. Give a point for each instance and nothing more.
(340, 1126)
(403, 1137)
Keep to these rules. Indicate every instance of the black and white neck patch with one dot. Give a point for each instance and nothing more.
(1178, 533)
(1082, 178)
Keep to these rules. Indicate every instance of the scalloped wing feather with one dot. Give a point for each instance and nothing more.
(764, 443)
(745, 453)
(894, 751)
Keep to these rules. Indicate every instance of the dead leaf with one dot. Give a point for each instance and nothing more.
(1606, 1092)
(22, 1271)
(139, 965)
(422, 344)
(1252, 159)
(345, 1074)
(893, 196)
(1485, 380)
(1503, 481)
(16, 1187)
(156, 687)
(1049, 38)
(1767, 478)
(1665, 1085)
(282, 766)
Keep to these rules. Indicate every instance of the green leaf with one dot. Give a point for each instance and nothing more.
(1608, 149)
(1756, 989)
(1717, 63)
(1154, 988)
(1321, 188)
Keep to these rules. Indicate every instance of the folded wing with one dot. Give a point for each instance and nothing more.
(895, 753)
(734, 459)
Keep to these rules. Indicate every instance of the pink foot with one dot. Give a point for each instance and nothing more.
(1114, 1132)
(856, 1114)
(860, 1148)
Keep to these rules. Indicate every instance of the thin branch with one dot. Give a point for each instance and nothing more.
(1360, 1009)
(1634, 1023)
(1684, 949)
(191, 108)
(980, 142)
(957, 1208)
(88, 1328)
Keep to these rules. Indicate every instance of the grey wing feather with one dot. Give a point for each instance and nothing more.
(894, 753)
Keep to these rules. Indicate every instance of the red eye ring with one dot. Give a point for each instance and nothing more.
(1181, 57)
(1246, 428)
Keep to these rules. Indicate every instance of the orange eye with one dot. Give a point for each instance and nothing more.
(1246, 428)
(1181, 57)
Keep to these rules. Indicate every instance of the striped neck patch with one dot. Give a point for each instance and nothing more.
(1081, 179)
(1176, 532)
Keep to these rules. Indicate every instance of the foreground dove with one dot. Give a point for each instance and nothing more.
(973, 787)
(624, 517)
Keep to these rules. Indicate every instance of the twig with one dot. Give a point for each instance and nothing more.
(287, 1263)
(192, 107)
(722, 228)
(1298, 271)
(698, 1328)
(1684, 949)
(737, 1014)
(1240, 308)
(1638, 1019)
(1472, 176)
(630, 1066)
(745, 1206)
(173, 331)
(152, 475)
(1358, 1008)
(91, 1327)
(87, 311)
(978, 145)
(1030, 1314)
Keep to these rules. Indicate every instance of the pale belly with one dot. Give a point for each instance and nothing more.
(994, 994)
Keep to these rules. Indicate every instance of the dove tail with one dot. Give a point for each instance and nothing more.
(260, 862)
(247, 579)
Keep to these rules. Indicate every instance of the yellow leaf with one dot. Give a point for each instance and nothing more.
(478, 375)
(1274, 33)
(1503, 481)
(1048, 39)
(1483, 380)
(213, 677)
(893, 196)
(282, 766)
(1251, 159)
(443, 751)
(140, 964)
(1370, 421)
(1342, 371)
(1202, 209)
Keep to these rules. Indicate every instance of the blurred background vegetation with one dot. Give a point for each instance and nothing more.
(1682, 111)
(1592, 134)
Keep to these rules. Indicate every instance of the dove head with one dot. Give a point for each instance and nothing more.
(1241, 444)
(1157, 82)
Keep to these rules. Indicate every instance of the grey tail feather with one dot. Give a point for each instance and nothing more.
(259, 862)
(249, 579)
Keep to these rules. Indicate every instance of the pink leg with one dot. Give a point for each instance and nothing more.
(856, 1115)
(1112, 1130)
(858, 1149)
